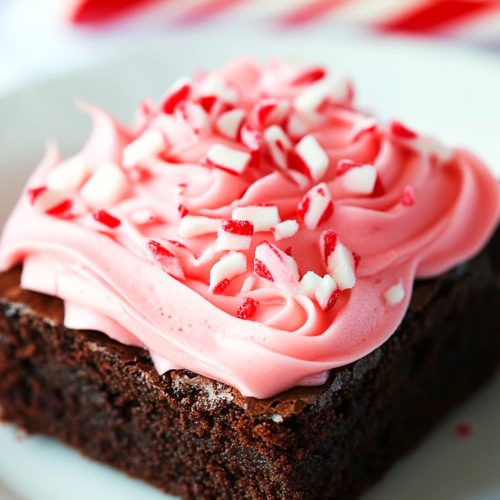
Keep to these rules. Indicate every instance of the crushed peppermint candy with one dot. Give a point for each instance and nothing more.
(235, 235)
(226, 158)
(310, 158)
(106, 219)
(167, 260)
(276, 266)
(285, 229)
(397, 129)
(279, 145)
(308, 284)
(339, 260)
(359, 179)
(316, 207)
(408, 196)
(263, 217)
(327, 292)
(150, 144)
(226, 268)
(69, 175)
(108, 185)
(50, 201)
(309, 75)
(197, 225)
(248, 308)
(394, 294)
(178, 93)
(229, 123)
(142, 216)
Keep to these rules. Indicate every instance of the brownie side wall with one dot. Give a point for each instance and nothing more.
(435, 360)
(190, 436)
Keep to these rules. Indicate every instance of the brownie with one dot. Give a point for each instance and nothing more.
(199, 438)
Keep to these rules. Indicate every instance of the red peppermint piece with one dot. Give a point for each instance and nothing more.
(177, 244)
(310, 75)
(248, 308)
(260, 269)
(221, 286)
(49, 201)
(397, 129)
(239, 227)
(34, 193)
(207, 102)
(227, 268)
(327, 292)
(408, 196)
(359, 179)
(316, 207)
(279, 145)
(178, 93)
(229, 159)
(229, 123)
(274, 265)
(182, 210)
(309, 157)
(345, 165)
(167, 260)
(339, 260)
(251, 137)
(235, 235)
(105, 218)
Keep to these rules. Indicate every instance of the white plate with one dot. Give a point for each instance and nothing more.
(451, 93)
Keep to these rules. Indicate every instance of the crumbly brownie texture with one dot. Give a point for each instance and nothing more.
(199, 439)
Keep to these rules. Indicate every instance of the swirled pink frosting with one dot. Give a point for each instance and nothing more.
(429, 209)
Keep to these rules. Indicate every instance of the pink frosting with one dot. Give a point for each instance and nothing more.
(431, 209)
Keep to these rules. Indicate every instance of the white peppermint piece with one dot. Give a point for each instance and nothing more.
(197, 225)
(316, 206)
(299, 178)
(231, 241)
(142, 216)
(279, 112)
(150, 144)
(49, 199)
(340, 90)
(313, 155)
(296, 126)
(308, 284)
(340, 264)
(271, 262)
(324, 291)
(279, 144)
(215, 86)
(194, 115)
(359, 180)
(429, 146)
(68, 175)
(311, 98)
(285, 229)
(263, 218)
(107, 186)
(394, 294)
(227, 158)
(229, 123)
(248, 285)
(227, 267)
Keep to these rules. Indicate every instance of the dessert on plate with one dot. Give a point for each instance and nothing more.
(256, 291)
